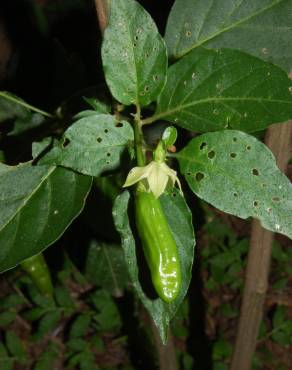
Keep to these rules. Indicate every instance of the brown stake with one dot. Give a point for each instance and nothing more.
(278, 139)
(166, 354)
(102, 8)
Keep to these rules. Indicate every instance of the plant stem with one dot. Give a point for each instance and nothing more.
(4, 95)
(149, 120)
(278, 139)
(167, 356)
(138, 137)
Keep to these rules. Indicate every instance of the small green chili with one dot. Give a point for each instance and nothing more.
(159, 246)
(37, 268)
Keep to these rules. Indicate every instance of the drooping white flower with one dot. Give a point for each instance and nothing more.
(155, 177)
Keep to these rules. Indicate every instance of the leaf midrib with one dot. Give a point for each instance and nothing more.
(216, 99)
(111, 270)
(133, 53)
(22, 205)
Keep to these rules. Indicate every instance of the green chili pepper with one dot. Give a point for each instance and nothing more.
(159, 246)
(37, 268)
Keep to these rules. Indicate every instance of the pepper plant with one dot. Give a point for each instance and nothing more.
(205, 77)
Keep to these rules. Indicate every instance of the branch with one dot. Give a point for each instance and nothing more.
(278, 139)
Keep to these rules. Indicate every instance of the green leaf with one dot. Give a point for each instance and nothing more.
(80, 326)
(47, 323)
(36, 206)
(12, 301)
(34, 313)
(224, 259)
(259, 27)
(219, 366)
(77, 344)
(91, 145)
(278, 253)
(188, 361)
(283, 338)
(97, 343)
(133, 54)
(87, 361)
(28, 122)
(47, 359)
(14, 345)
(105, 267)
(180, 222)
(107, 315)
(40, 300)
(97, 105)
(279, 317)
(14, 108)
(7, 317)
(209, 90)
(3, 351)
(169, 136)
(238, 174)
(280, 284)
(221, 350)
(228, 311)
(6, 363)
(63, 297)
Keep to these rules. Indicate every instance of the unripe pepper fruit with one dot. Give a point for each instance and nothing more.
(159, 246)
(37, 268)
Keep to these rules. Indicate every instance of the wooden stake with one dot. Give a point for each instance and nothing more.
(278, 139)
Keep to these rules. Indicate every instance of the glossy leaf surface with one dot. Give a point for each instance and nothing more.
(36, 206)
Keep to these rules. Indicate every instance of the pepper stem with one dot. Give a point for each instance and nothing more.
(159, 154)
(138, 137)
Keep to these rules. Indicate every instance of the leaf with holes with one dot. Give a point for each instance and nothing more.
(209, 90)
(259, 27)
(238, 174)
(180, 222)
(91, 145)
(36, 206)
(105, 267)
(133, 54)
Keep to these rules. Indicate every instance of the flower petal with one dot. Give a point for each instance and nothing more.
(136, 174)
(157, 179)
(156, 176)
(173, 179)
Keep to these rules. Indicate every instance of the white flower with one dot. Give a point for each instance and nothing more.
(155, 177)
